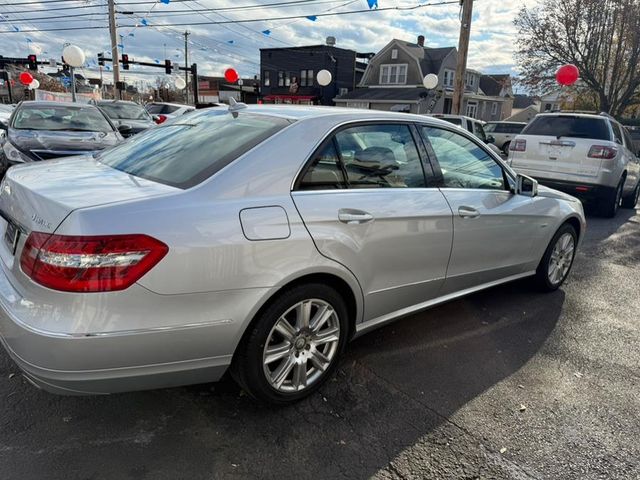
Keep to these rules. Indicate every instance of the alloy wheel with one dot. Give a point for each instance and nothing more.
(301, 345)
(561, 258)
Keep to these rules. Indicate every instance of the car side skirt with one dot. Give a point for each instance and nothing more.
(374, 323)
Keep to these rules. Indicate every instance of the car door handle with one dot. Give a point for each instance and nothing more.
(468, 212)
(351, 216)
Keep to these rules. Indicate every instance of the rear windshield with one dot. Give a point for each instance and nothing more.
(124, 111)
(188, 150)
(157, 109)
(568, 126)
(69, 118)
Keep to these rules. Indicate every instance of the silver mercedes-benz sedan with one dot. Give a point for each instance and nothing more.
(261, 240)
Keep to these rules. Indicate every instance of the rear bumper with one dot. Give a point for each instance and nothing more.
(586, 192)
(116, 361)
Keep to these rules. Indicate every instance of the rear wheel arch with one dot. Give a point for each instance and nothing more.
(339, 284)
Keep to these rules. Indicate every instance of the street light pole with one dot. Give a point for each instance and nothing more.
(186, 66)
(73, 84)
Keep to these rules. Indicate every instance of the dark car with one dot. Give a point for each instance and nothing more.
(45, 130)
(123, 114)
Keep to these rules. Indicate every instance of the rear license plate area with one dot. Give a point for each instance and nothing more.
(11, 236)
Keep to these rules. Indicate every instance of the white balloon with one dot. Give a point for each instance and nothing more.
(34, 84)
(73, 56)
(430, 81)
(180, 83)
(324, 77)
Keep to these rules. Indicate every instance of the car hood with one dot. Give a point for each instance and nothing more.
(45, 144)
(39, 196)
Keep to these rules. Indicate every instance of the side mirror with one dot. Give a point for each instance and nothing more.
(125, 130)
(526, 186)
(491, 139)
(3, 125)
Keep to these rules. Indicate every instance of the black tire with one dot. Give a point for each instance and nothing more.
(611, 201)
(631, 201)
(542, 279)
(247, 367)
(505, 147)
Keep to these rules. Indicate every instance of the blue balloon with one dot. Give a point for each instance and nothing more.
(372, 4)
(313, 18)
(266, 32)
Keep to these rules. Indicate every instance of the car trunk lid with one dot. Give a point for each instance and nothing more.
(40, 196)
(559, 145)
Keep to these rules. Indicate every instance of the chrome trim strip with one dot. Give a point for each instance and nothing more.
(380, 321)
(411, 284)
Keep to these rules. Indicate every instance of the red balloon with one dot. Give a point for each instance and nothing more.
(231, 76)
(26, 78)
(567, 75)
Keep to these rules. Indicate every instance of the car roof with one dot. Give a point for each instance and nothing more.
(128, 102)
(172, 104)
(336, 114)
(39, 103)
(575, 114)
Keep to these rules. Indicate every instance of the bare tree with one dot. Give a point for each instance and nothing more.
(600, 37)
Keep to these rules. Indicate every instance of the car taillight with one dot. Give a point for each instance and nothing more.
(602, 151)
(518, 145)
(89, 264)
(160, 119)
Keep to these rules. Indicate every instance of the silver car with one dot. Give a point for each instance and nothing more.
(258, 239)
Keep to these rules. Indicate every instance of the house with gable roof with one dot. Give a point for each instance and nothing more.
(393, 81)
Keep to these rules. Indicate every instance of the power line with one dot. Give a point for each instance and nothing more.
(252, 20)
(281, 4)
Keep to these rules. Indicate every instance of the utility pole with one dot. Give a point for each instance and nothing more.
(463, 50)
(186, 66)
(114, 48)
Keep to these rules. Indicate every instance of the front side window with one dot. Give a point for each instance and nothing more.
(393, 74)
(492, 127)
(368, 156)
(188, 150)
(463, 163)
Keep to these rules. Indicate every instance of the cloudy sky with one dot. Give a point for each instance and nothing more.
(217, 47)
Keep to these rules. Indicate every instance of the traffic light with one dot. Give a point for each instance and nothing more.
(125, 61)
(167, 67)
(33, 62)
(101, 59)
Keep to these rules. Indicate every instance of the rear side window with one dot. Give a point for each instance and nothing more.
(191, 149)
(569, 126)
(367, 156)
(158, 109)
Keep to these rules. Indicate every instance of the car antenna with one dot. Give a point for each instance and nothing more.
(235, 106)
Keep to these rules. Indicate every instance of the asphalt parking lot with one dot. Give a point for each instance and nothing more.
(508, 383)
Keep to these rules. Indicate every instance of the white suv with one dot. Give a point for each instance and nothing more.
(589, 156)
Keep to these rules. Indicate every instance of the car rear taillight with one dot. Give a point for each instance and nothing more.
(602, 151)
(89, 264)
(518, 145)
(160, 119)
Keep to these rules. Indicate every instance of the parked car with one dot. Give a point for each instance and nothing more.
(5, 112)
(471, 125)
(503, 133)
(45, 130)
(590, 156)
(122, 112)
(261, 240)
(634, 132)
(161, 111)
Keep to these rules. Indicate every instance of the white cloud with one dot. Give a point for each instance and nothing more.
(491, 48)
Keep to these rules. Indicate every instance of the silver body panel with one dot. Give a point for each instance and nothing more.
(235, 241)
